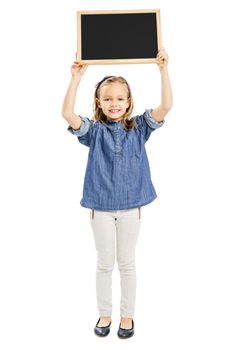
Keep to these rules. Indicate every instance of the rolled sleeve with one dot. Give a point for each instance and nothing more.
(147, 124)
(150, 120)
(85, 124)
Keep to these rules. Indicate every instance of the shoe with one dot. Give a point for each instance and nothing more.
(102, 331)
(126, 333)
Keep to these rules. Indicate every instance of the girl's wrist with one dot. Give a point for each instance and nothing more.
(163, 69)
(76, 78)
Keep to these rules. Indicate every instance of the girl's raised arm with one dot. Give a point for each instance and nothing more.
(159, 113)
(77, 70)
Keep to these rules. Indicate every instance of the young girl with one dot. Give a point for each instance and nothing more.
(117, 181)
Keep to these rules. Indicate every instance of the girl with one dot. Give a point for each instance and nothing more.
(117, 181)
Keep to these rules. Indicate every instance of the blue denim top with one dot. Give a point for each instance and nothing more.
(117, 173)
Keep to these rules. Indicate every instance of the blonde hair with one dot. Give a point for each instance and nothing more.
(127, 121)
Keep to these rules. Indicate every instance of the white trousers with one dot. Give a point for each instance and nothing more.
(120, 227)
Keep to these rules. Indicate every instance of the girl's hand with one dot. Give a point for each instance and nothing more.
(162, 58)
(78, 68)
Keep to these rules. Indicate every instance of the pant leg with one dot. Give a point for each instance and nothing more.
(127, 230)
(103, 225)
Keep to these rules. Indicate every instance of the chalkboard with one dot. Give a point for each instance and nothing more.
(113, 37)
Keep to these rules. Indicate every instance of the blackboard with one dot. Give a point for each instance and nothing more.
(113, 37)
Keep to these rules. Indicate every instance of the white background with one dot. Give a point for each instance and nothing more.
(47, 250)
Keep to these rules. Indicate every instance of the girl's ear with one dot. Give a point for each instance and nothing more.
(128, 102)
(98, 103)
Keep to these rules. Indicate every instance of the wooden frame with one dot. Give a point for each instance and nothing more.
(99, 40)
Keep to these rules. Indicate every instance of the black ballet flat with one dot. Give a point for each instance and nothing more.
(126, 333)
(102, 331)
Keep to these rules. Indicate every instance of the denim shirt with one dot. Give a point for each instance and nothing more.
(117, 173)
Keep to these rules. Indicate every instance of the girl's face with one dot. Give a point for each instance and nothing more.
(113, 100)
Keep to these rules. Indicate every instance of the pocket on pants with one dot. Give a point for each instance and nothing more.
(92, 214)
(139, 209)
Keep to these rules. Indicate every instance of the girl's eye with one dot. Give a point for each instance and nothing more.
(119, 99)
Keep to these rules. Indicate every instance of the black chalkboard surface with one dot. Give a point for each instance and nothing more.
(112, 37)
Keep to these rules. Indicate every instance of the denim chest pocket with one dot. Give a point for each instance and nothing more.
(134, 146)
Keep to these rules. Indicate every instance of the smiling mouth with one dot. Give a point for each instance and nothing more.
(114, 110)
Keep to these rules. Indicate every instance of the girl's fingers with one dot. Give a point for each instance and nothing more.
(78, 67)
(162, 57)
(78, 64)
(161, 52)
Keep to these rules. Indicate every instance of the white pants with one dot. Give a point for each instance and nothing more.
(124, 225)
